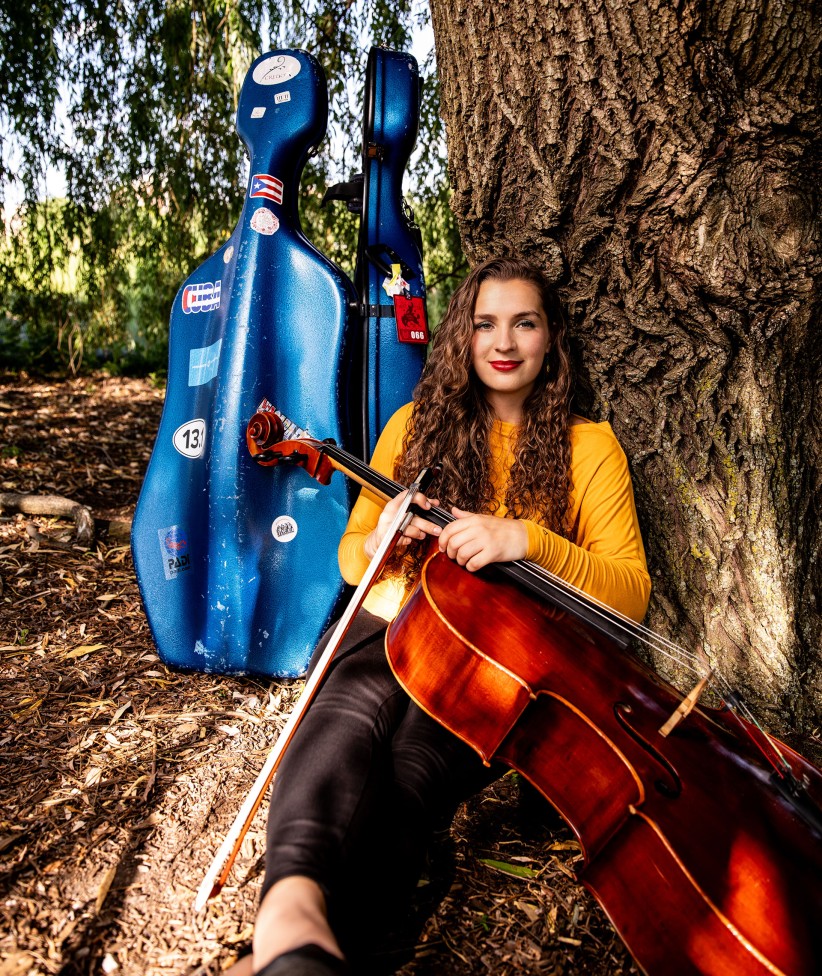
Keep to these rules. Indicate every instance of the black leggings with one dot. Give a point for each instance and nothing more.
(366, 778)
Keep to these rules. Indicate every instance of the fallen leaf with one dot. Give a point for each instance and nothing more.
(84, 649)
(120, 712)
(517, 870)
(565, 845)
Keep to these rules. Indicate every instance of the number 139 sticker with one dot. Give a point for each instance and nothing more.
(189, 438)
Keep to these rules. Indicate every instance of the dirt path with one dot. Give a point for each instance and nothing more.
(119, 777)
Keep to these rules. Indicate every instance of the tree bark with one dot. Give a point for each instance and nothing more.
(662, 161)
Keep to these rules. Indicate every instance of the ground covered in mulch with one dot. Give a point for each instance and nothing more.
(119, 777)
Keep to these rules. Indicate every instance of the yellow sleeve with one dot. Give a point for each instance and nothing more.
(607, 559)
(368, 507)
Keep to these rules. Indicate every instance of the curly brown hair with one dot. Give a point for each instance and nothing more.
(451, 418)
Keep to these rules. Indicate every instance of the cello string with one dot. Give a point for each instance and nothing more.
(675, 652)
(738, 707)
(698, 664)
(644, 635)
(657, 642)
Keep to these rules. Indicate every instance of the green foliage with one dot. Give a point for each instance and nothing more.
(135, 104)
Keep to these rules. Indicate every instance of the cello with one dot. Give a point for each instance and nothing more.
(700, 832)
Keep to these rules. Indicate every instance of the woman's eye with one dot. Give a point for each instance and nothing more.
(484, 326)
(526, 324)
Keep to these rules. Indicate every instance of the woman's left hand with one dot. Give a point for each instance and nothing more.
(475, 541)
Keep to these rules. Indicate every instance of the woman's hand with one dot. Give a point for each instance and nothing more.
(417, 528)
(475, 541)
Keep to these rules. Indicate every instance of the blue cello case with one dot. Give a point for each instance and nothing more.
(389, 237)
(389, 249)
(237, 564)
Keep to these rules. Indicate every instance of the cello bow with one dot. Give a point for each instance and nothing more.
(221, 865)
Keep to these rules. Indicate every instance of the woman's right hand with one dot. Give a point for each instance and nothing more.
(417, 528)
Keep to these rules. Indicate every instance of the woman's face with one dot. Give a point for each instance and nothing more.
(511, 339)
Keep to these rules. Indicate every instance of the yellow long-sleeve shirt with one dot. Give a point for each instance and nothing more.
(606, 560)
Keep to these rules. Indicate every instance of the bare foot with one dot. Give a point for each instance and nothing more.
(291, 915)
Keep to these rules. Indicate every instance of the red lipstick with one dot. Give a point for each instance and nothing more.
(505, 365)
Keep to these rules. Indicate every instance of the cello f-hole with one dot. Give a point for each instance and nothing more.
(669, 786)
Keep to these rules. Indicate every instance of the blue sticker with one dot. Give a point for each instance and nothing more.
(203, 363)
(174, 547)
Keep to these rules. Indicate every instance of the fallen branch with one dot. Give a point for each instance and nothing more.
(54, 505)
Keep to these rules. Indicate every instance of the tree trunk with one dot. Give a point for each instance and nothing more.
(662, 161)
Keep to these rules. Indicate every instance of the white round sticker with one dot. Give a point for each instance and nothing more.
(284, 528)
(276, 69)
(264, 222)
(189, 438)
(228, 254)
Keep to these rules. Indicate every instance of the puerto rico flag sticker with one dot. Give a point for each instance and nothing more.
(263, 185)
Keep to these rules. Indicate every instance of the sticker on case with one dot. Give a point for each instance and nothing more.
(276, 70)
(284, 528)
(202, 297)
(203, 363)
(175, 551)
(396, 284)
(189, 438)
(264, 222)
(263, 185)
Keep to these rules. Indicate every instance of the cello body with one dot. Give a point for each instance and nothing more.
(238, 574)
(701, 863)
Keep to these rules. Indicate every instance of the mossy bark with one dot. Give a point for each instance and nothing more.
(662, 161)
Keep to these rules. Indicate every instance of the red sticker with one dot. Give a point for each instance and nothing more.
(412, 324)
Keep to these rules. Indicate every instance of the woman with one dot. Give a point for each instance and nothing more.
(369, 775)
